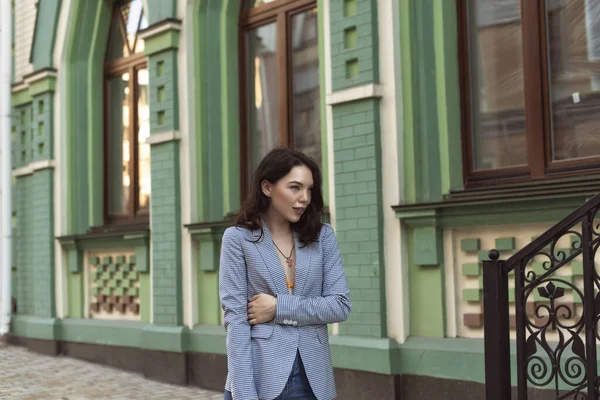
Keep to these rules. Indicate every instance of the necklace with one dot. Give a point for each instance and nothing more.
(288, 260)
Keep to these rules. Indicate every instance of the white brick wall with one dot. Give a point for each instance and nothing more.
(24, 26)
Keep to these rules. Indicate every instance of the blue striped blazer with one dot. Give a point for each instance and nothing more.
(260, 357)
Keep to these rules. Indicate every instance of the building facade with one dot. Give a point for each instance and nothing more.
(444, 128)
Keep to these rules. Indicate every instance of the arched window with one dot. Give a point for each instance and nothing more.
(127, 119)
(280, 79)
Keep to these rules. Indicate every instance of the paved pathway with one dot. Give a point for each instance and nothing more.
(29, 376)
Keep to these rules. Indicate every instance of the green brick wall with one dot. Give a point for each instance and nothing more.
(354, 43)
(166, 234)
(357, 150)
(357, 164)
(159, 10)
(33, 236)
(22, 136)
(42, 112)
(35, 244)
(32, 131)
(164, 114)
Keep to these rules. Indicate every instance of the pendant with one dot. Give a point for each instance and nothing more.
(289, 262)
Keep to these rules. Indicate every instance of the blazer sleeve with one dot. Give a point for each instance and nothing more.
(233, 296)
(334, 303)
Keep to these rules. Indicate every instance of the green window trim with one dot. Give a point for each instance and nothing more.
(431, 140)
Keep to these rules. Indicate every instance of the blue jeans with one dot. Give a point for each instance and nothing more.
(297, 386)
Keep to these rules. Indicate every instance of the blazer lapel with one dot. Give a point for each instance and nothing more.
(303, 254)
(267, 251)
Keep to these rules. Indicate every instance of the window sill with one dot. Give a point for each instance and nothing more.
(76, 245)
(530, 202)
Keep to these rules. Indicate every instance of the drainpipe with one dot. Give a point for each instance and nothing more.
(5, 166)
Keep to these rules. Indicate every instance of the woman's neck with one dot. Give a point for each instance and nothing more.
(277, 225)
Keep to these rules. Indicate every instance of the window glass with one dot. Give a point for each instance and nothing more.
(262, 90)
(499, 135)
(574, 65)
(306, 111)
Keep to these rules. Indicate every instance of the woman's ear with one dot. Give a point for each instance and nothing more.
(266, 187)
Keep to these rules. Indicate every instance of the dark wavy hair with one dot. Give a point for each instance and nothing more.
(277, 164)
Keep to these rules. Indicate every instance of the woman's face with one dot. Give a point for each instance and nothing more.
(291, 194)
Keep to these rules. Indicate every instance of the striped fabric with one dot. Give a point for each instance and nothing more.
(260, 357)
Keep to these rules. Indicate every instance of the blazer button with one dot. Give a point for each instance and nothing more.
(295, 323)
(285, 321)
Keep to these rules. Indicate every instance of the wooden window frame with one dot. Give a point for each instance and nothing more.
(281, 12)
(112, 69)
(538, 106)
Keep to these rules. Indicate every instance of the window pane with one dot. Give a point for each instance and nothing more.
(119, 178)
(498, 118)
(143, 109)
(574, 64)
(306, 116)
(262, 91)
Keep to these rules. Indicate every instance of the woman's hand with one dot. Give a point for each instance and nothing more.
(261, 308)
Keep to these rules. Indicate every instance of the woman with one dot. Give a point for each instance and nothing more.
(281, 281)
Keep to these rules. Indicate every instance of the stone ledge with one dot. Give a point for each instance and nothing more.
(363, 92)
(33, 167)
(163, 137)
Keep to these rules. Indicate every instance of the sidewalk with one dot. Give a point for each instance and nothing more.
(28, 376)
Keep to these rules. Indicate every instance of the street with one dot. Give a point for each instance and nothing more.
(28, 376)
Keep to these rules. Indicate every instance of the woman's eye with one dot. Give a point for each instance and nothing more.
(296, 187)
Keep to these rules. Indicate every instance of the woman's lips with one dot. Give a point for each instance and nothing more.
(299, 210)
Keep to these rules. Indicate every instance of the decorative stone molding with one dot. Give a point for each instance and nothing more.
(163, 137)
(32, 167)
(363, 92)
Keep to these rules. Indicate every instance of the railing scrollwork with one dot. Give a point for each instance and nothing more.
(556, 341)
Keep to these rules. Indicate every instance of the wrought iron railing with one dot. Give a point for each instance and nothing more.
(557, 339)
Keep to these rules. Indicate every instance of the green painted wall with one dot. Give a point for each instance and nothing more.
(211, 97)
(164, 105)
(166, 234)
(86, 40)
(448, 94)
(357, 154)
(426, 297)
(22, 136)
(42, 127)
(46, 23)
(33, 258)
(431, 138)
(357, 168)
(145, 297)
(35, 244)
(159, 10)
(209, 307)
(354, 43)
(422, 170)
(75, 295)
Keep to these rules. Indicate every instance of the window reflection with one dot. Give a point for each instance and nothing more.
(128, 120)
(143, 109)
(262, 89)
(574, 64)
(119, 177)
(306, 114)
(497, 81)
